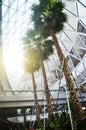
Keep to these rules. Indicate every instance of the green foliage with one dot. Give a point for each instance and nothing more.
(60, 122)
(31, 60)
(64, 121)
(81, 124)
(48, 15)
(47, 48)
(35, 40)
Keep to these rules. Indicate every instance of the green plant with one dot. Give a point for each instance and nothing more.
(81, 124)
(48, 18)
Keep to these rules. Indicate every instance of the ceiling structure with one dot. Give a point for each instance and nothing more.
(15, 21)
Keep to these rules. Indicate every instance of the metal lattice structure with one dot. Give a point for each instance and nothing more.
(14, 21)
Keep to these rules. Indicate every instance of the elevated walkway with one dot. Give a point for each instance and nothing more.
(25, 101)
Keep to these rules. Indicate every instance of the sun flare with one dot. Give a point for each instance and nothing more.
(13, 59)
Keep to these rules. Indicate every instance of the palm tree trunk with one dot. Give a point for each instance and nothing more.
(48, 100)
(36, 101)
(75, 101)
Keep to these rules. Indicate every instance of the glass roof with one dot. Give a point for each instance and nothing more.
(15, 18)
(15, 21)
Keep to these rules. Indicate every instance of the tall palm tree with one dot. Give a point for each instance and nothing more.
(31, 60)
(48, 18)
(45, 48)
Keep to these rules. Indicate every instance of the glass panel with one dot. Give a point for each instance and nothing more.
(71, 6)
(82, 13)
(81, 28)
(83, 2)
(12, 15)
(14, 5)
(4, 10)
(5, 2)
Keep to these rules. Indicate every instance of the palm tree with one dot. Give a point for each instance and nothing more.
(31, 60)
(45, 48)
(48, 18)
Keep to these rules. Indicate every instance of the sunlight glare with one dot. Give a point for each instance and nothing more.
(13, 59)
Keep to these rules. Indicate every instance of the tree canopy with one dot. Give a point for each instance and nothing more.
(48, 15)
(31, 60)
(43, 46)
